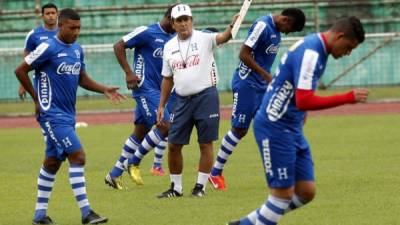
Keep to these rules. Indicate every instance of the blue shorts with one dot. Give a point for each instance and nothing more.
(61, 139)
(146, 109)
(246, 101)
(200, 110)
(286, 156)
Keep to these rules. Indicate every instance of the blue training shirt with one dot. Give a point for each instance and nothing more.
(38, 35)
(300, 68)
(57, 68)
(264, 38)
(148, 43)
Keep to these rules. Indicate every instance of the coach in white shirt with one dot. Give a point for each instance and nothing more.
(189, 65)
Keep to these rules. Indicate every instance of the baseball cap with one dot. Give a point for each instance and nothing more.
(181, 10)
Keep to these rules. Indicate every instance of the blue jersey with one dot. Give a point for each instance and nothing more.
(264, 39)
(300, 68)
(57, 69)
(38, 35)
(148, 43)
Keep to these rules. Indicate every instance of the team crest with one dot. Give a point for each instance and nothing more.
(78, 54)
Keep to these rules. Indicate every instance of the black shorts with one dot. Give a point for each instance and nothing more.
(200, 110)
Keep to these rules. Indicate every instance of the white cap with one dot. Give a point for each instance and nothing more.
(181, 10)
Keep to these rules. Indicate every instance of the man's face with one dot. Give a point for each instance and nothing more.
(69, 30)
(342, 46)
(49, 16)
(183, 25)
(286, 25)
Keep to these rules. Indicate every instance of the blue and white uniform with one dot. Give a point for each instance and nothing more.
(57, 69)
(37, 36)
(278, 124)
(264, 40)
(148, 43)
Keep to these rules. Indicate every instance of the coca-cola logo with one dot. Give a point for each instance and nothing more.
(191, 61)
(272, 49)
(158, 53)
(65, 68)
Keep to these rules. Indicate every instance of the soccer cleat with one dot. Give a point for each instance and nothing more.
(45, 220)
(116, 183)
(170, 193)
(157, 171)
(218, 182)
(134, 172)
(198, 190)
(94, 218)
(237, 222)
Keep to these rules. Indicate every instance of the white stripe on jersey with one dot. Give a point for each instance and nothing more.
(29, 59)
(27, 37)
(307, 69)
(135, 32)
(255, 34)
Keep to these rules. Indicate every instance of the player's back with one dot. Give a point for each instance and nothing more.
(300, 68)
(264, 39)
(37, 36)
(148, 43)
(57, 69)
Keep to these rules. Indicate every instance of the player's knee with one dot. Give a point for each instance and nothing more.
(51, 165)
(241, 132)
(307, 195)
(78, 158)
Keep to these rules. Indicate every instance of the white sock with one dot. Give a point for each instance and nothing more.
(177, 180)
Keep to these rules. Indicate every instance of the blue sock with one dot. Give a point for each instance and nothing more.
(45, 186)
(130, 146)
(159, 153)
(227, 146)
(77, 181)
(152, 139)
(272, 211)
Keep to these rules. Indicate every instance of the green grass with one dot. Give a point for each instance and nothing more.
(356, 162)
(100, 103)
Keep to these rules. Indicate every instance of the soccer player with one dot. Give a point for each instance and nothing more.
(145, 81)
(59, 69)
(278, 124)
(188, 63)
(251, 78)
(40, 34)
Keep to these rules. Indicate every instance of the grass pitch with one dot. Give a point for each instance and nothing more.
(356, 162)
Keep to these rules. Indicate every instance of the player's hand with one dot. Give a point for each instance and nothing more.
(160, 116)
(234, 18)
(22, 93)
(37, 109)
(113, 94)
(132, 81)
(361, 95)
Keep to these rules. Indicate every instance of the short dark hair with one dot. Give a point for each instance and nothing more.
(49, 6)
(68, 13)
(168, 12)
(351, 27)
(297, 16)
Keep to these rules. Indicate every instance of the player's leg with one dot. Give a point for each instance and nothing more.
(70, 145)
(245, 103)
(305, 182)
(46, 179)
(159, 151)
(207, 124)
(179, 134)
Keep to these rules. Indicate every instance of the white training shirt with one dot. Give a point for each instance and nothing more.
(197, 53)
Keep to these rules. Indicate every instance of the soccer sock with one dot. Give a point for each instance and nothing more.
(77, 181)
(177, 180)
(295, 203)
(152, 139)
(45, 184)
(130, 146)
(202, 179)
(251, 218)
(272, 211)
(227, 146)
(159, 153)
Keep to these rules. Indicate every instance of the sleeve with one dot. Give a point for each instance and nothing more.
(83, 65)
(136, 38)
(254, 37)
(166, 69)
(307, 83)
(29, 42)
(38, 56)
